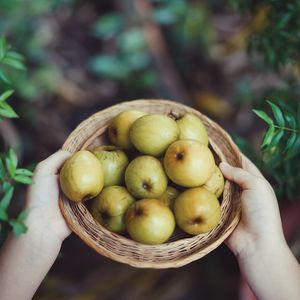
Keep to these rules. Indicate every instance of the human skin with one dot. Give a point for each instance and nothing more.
(258, 243)
(25, 260)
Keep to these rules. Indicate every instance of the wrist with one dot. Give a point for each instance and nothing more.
(47, 221)
(257, 249)
(42, 236)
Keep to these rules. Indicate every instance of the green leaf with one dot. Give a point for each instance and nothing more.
(4, 78)
(23, 215)
(3, 47)
(2, 169)
(270, 55)
(18, 227)
(16, 64)
(107, 26)
(132, 41)
(290, 119)
(24, 172)
(6, 95)
(5, 201)
(10, 167)
(13, 157)
(276, 138)
(284, 20)
(277, 114)
(138, 60)
(7, 111)
(15, 55)
(23, 179)
(268, 137)
(263, 116)
(293, 151)
(109, 66)
(5, 186)
(3, 215)
(291, 140)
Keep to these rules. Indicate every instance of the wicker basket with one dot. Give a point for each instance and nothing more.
(181, 249)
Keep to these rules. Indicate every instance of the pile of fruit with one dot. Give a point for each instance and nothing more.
(158, 172)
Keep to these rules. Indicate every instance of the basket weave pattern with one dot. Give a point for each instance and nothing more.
(181, 249)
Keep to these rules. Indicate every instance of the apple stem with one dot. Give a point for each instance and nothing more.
(175, 116)
(180, 156)
(197, 220)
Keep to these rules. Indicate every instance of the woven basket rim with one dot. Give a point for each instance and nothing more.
(145, 264)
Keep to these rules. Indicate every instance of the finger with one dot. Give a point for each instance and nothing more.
(251, 167)
(52, 164)
(240, 176)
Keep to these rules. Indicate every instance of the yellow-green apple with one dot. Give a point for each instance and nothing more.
(188, 163)
(81, 176)
(191, 127)
(145, 177)
(118, 130)
(169, 196)
(114, 162)
(152, 134)
(197, 210)
(149, 221)
(215, 183)
(109, 207)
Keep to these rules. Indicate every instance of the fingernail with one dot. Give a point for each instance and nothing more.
(224, 165)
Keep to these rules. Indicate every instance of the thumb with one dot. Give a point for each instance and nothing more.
(52, 164)
(243, 178)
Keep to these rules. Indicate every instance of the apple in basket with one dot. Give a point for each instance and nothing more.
(152, 134)
(149, 221)
(118, 130)
(169, 196)
(114, 162)
(215, 183)
(81, 176)
(189, 163)
(173, 173)
(191, 128)
(145, 177)
(109, 207)
(197, 210)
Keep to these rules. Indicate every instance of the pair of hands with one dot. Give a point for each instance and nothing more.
(265, 260)
(260, 223)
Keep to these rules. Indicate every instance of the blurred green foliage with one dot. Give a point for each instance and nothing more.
(280, 146)
(123, 55)
(10, 174)
(21, 22)
(278, 44)
(278, 41)
(128, 58)
(188, 23)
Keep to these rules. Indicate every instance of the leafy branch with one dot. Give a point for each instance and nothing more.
(285, 127)
(6, 110)
(280, 147)
(277, 41)
(9, 58)
(10, 173)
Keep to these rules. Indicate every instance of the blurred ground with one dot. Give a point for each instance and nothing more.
(80, 273)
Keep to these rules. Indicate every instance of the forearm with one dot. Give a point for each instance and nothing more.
(272, 272)
(24, 262)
